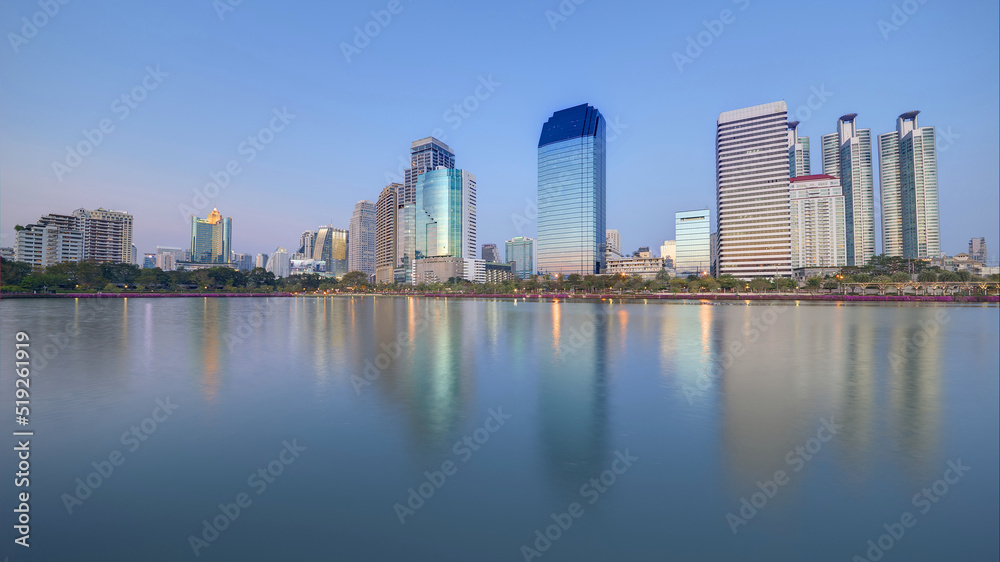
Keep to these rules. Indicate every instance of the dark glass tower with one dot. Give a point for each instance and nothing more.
(571, 192)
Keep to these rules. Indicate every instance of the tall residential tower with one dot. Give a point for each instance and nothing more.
(909, 189)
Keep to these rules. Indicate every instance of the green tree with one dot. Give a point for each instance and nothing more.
(355, 279)
(728, 282)
(927, 276)
(759, 284)
(786, 284)
(949, 276)
(900, 277)
(814, 283)
(13, 272)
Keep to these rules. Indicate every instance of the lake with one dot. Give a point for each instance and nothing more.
(396, 428)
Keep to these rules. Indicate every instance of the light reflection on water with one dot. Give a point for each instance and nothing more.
(711, 397)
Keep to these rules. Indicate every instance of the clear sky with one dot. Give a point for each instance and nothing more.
(197, 85)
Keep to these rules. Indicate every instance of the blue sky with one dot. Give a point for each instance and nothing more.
(207, 83)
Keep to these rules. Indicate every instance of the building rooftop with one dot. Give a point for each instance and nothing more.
(814, 177)
(571, 123)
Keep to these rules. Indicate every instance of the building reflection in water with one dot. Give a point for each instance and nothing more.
(209, 342)
(432, 376)
(914, 370)
(572, 390)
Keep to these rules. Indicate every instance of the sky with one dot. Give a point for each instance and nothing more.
(302, 109)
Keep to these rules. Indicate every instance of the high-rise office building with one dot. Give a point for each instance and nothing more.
(243, 262)
(694, 242)
(45, 245)
(668, 251)
(425, 154)
(211, 238)
(571, 192)
(854, 169)
(331, 249)
(909, 189)
(798, 152)
(752, 192)
(361, 234)
(386, 243)
(490, 253)
(260, 261)
(445, 214)
(148, 261)
(819, 233)
(977, 250)
(521, 252)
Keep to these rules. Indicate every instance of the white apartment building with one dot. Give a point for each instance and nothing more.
(819, 237)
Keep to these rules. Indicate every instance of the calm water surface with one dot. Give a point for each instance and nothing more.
(346, 404)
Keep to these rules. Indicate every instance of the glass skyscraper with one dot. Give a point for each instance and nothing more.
(571, 192)
(694, 242)
(210, 238)
(445, 212)
(521, 251)
(425, 154)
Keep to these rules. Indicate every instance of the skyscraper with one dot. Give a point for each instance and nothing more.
(694, 242)
(425, 154)
(819, 235)
(211, 238)
(385, 233)
(361, 233)
(279, 263)
(446, 214)
(798, 152)
(490, 253)
(571, 192)
(521, 251)
(854, 169)
(752, 192)
(831, 154)
(909, 189)
(331, 249)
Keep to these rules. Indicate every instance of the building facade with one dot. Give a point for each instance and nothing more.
(279, 263)
(668, 251)
(752, 192)
(445, 214)
(798, 152)
(42, 246)
(211, 238)
(645, 267)
(977, 250)
(854, 169)
(490, 253)
(331, 249)
(694, 242)
(107, 235)
(361, 234)
(571, 192)
(613, 242)
(520, 252)
(819, 233)
(909, 188)
(386, 243)
(425, 154)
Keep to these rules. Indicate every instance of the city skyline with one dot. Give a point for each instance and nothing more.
(139, 168)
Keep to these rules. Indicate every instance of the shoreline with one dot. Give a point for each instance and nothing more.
(551, 297)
